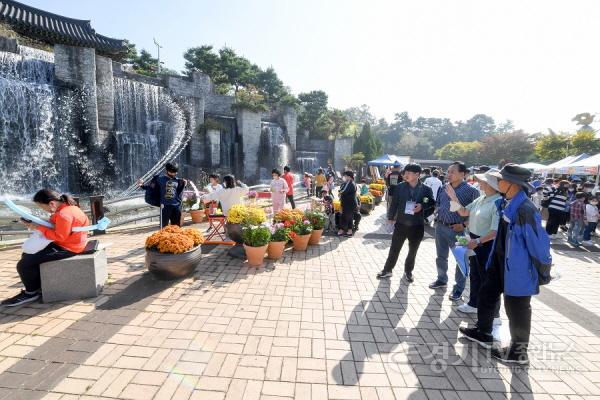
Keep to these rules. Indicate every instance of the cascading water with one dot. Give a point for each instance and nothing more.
(28, 118)
(310, 161)
(149, 124)
(274, 148)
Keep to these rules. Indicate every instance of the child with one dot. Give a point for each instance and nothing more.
(537, 197)
(591, 217)
(320, 182)
(307, 184)
(279, 188)
(329, 211)
(577, 214)
(213, 184)
(170, 188)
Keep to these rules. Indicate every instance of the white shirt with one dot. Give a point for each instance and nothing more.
(227, 197)
(435, 184)
(211, 188)
(591, 213)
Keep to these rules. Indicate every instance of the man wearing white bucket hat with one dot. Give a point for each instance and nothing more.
(483, 225)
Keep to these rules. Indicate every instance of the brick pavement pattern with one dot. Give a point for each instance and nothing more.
(314, 325)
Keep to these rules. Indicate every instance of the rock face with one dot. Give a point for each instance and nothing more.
(249, 128)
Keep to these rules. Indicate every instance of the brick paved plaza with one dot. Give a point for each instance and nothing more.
(315, 325)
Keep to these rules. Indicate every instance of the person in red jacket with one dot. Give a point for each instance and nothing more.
(66, 215)
(289, 178)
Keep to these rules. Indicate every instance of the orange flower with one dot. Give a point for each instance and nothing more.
(172, 239)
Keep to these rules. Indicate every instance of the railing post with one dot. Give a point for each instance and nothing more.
(97, 208)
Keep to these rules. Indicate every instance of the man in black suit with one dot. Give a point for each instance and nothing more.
(410, 205)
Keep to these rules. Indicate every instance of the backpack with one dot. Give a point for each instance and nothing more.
(152, 195)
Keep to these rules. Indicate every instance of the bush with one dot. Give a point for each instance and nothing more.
(256, 235)
(246, 215)
(301, 228)
(316, 218)
(279, 233)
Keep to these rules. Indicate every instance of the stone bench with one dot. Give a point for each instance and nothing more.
(74, 278)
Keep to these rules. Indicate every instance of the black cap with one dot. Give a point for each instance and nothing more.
(514, 174)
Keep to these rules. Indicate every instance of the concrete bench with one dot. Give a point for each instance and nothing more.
(74, 278)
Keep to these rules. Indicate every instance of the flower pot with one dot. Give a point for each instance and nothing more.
(378, 200)
(197, 216)
(315, 236)
(172, 266)
(366, 208)
(255, 255)
(234, 231)
(301, 242)
(275, 250)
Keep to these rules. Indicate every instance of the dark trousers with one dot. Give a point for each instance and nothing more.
(356, 218)
(318, 191)
(28, 266)
(590, 227)
(518, 309)
(414, 234)
(555, 219)
(170, 215)
(290, 198)
(346, 220)
(477, 274)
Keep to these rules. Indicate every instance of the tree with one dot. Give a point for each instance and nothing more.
(476, 128)
(515, 147)
(251, 99)
(355, 161)
(368, 144)
(552, 147)
(339, 123)
(584, 141)
(313, 115)
(360, 115)
(415, 146)
(271, 86)
(467, 152)
(203, 59)
(145, 64)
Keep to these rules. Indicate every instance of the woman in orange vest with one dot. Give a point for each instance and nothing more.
(66, 215)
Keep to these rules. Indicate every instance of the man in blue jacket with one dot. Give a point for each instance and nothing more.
(519, 263)
(169, 189)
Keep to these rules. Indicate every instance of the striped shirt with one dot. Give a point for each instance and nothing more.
(465, 193)
(558, 201)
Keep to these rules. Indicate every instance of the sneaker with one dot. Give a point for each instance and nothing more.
(455, 296)
(21, 298)
(497, 321)
(574, 243)
(384, 274)
(467, 309)
(587, 243)
(553, 237)
(510, 356)
(437, 285)
(409, 277)
(475, 335)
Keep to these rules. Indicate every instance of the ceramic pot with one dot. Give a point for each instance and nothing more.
(255, 255)
(315, 236)
(234, 231)
(275, 250)
(172, 266)
(197, 216)
(301, 242)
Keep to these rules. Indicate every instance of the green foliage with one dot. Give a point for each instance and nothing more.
(467, 152)
(301, 228)
(585, 141)
(314, 117)
(249, 98)
(355, 161)
(368, 144)
(316, 218)
(514, 147)
(211, 124)
(552, 147)
(279, 233)
(256, 235)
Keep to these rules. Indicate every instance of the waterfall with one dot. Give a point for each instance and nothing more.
(150, 131)
(28, 145)
(274, 148)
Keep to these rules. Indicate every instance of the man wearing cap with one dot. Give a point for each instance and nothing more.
(448, 224)
(519, 263)
(483, 225)
(411, 203)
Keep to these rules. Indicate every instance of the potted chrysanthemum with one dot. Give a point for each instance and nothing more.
(279, 237)
(317, 220)
(256, 240)
(300, 234)
(173, 252)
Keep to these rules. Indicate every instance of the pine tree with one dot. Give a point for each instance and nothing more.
(368, 144)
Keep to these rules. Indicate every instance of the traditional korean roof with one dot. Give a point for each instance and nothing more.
(53, 28)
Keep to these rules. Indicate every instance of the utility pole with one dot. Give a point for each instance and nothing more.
(158, 47)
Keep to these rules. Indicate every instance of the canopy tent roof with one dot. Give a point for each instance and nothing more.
(532, 165)
(386, 159)
(561, 163)
(54, 28)
(585, 166)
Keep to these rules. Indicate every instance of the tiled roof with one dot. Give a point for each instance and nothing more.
(54, 28)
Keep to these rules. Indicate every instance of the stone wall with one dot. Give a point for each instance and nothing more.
(289, 118)
(220, 104)
(249, 128)
(342, 148)
(105, 94)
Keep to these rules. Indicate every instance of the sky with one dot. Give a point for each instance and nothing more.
(533, 62)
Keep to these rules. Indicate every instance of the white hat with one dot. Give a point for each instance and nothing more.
(488, 178)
